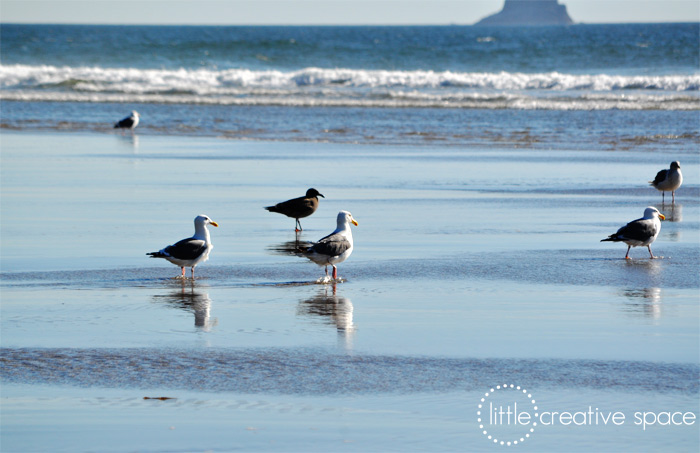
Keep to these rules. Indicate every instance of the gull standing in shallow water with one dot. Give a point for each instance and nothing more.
(640, 232)
(191, 251)
(298, 208)
(668, 181)
(336, 247)
(130, 122)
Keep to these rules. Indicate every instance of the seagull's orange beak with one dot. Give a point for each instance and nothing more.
(214, 223)
(662, 217)
(354, 222)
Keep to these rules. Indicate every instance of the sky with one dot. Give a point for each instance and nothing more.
(325, 12)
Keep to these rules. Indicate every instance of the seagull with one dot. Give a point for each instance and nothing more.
(639, 232)
(298, 208)
(130, 122)
(336, 247)
(668, 180)
(192, 251)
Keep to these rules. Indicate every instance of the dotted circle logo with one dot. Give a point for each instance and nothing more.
(507, 415)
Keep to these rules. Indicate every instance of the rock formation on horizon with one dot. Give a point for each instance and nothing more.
(529, 12)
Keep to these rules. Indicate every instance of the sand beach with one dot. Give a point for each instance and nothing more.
(491, 273)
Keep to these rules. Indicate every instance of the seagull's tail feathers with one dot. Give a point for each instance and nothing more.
(272, 208)
(612, 238)
(158, 254)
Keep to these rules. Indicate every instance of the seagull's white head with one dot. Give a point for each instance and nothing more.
(344, 217)
(135, 113)
(204, 220)
(651, 213)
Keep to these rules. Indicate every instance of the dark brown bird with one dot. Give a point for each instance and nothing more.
(298, 208)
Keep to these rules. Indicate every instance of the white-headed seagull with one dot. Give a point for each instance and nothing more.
(191, 251)
(130, 122)
(640, 232)
(336, 247)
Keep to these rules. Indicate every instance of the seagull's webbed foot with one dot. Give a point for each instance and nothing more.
(324, 280)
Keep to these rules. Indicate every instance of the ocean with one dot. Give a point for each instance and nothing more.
(483, 165)
(356, 84)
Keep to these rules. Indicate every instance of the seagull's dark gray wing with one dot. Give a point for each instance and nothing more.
(126, 122)
(186, 249)
(331, 245)
(660, 177)
(639, 230)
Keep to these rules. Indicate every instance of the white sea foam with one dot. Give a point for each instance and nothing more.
(348, 87)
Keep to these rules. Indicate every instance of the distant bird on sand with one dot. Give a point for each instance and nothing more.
(640, 232)
(336, 247)
(298, 208)
(192, 251)
(668, 181)
(130, 122)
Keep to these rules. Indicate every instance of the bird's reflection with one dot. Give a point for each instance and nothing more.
(673, 212)
(333, 309)
(131, 140)
(648, 267)
(297, 247)
(190, 298)
(645, 302)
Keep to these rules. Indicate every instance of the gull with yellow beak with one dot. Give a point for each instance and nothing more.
(336, 247)
(191, 251)
(640, 232)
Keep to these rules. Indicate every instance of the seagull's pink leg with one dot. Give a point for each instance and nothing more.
(335, 272)
(192, 272)
(650, 254)
(326, 270)
(183, 272)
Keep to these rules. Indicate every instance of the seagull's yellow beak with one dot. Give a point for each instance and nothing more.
(354, 222)
(662, 217)
(214, 223)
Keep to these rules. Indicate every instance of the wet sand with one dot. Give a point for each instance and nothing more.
(470, 266)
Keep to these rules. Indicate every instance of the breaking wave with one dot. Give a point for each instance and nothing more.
(350, 87)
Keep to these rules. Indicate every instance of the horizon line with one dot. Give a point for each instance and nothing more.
(407, 24)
